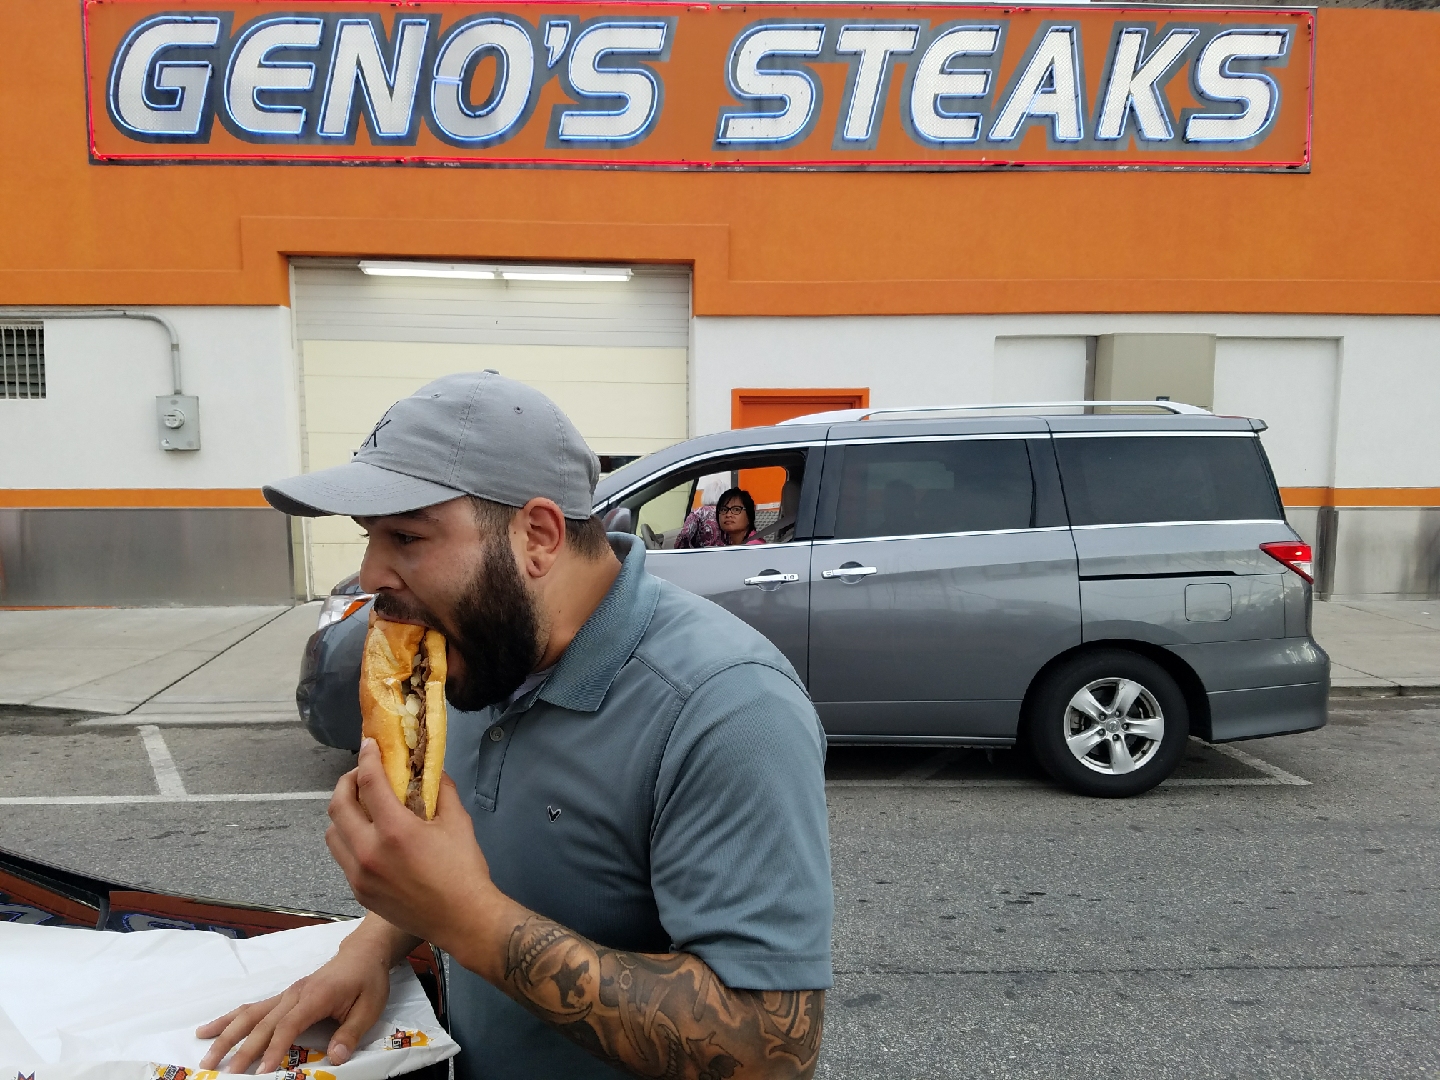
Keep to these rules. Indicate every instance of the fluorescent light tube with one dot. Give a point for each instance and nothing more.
(566, 273)
(464, 271)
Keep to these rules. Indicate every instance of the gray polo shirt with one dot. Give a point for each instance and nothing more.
(662, 790)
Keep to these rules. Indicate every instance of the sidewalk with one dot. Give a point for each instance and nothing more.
(212, 665)
(1381, 647)
(157, 665)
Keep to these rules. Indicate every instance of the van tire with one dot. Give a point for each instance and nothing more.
(1078, 736)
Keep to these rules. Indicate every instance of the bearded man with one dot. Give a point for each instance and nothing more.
(628, 866)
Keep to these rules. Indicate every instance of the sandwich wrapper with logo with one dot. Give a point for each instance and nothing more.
(98, 1005)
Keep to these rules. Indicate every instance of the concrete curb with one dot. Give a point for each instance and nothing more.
(1381, 689)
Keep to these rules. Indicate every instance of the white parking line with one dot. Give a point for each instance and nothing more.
(167, 776)
(901, 782)
(1184, 781)
(117, 800)
(1277, 774)
(922, 775)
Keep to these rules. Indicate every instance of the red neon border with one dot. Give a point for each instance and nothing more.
(729, 164)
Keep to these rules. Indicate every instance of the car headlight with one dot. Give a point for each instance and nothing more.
(338, 608)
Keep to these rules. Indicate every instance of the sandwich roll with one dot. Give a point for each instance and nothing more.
(402, 706)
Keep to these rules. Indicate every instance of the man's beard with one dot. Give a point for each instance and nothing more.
(496, 630)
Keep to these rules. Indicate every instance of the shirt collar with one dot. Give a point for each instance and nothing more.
(582, 676)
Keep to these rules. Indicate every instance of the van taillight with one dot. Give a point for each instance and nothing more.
(1294, 556)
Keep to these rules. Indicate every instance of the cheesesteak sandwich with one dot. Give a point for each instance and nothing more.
(402, 705)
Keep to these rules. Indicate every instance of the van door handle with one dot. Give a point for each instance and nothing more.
(771, 577)
(849, 570)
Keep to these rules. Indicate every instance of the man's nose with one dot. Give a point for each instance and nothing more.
(376, 572)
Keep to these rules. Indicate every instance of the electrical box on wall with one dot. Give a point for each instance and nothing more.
(178, 418)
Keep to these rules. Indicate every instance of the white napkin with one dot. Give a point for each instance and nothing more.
(93, 1004)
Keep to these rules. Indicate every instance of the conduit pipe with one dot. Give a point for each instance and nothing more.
(107, 313)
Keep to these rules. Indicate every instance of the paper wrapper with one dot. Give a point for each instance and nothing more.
(100, 1005)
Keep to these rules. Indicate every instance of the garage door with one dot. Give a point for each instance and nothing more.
(612, 354)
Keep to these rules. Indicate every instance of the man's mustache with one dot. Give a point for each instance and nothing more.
(389, 606)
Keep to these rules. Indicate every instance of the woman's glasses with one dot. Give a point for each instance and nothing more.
(734, 508)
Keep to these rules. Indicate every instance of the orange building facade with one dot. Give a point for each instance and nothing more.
(920, 203)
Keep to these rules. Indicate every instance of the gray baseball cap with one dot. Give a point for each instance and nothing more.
(472, 434)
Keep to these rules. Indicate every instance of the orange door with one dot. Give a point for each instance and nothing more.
(756, 408)
(759, 407)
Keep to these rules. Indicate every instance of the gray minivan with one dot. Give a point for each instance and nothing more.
(1091, 581)
(1096, 582)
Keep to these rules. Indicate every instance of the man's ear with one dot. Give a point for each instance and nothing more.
(538, 532)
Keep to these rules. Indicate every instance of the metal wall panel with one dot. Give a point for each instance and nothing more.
(144, 557)
(612, 355)
(1387, 553)
(334, 301)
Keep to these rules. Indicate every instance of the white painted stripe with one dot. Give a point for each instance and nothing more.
(1220, 781)
(167, 776)
(933, 536)
(317, 796)
(189, 719)
(1169, 524)
(1198, 781)
(921, 775)
(899, 783)
(1279, 775)
(115, 800)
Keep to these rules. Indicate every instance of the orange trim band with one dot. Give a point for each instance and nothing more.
(1326, 496)
(99, 498)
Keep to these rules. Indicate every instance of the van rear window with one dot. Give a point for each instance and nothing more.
(1128, 479)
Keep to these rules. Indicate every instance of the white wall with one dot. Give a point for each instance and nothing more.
(96, 426)
(1290, 383)
(1387, 373)
(1039, 369)
(904, 360)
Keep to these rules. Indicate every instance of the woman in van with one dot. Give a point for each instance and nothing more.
(729, 523)
(735, 514)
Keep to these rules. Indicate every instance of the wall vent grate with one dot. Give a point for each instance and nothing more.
(22, 360)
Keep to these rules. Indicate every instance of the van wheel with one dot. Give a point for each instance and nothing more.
(1109, 723)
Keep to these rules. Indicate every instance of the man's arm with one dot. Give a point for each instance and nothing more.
(653, 1015)
(658, 1015)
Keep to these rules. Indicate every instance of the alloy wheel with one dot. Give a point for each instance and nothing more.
(1114, 726)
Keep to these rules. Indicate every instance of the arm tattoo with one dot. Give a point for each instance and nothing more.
(660, 1015)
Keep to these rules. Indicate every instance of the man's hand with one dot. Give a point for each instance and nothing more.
(352, 988)
(428, 878)
(423, 879)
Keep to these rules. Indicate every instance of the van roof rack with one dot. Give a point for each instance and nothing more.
(839, 416)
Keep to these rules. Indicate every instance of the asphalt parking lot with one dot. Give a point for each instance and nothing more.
(1273, 910)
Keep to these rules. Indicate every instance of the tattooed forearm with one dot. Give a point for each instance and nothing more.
(660, 1016)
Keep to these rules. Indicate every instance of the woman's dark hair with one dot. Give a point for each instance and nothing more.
(745, 500)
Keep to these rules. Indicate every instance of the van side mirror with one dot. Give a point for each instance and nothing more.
(619, 519)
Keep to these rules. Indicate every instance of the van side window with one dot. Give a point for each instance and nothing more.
(1125, 480)
(771, 478)
(901, 489)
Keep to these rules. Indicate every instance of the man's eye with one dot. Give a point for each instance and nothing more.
(405, 538)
